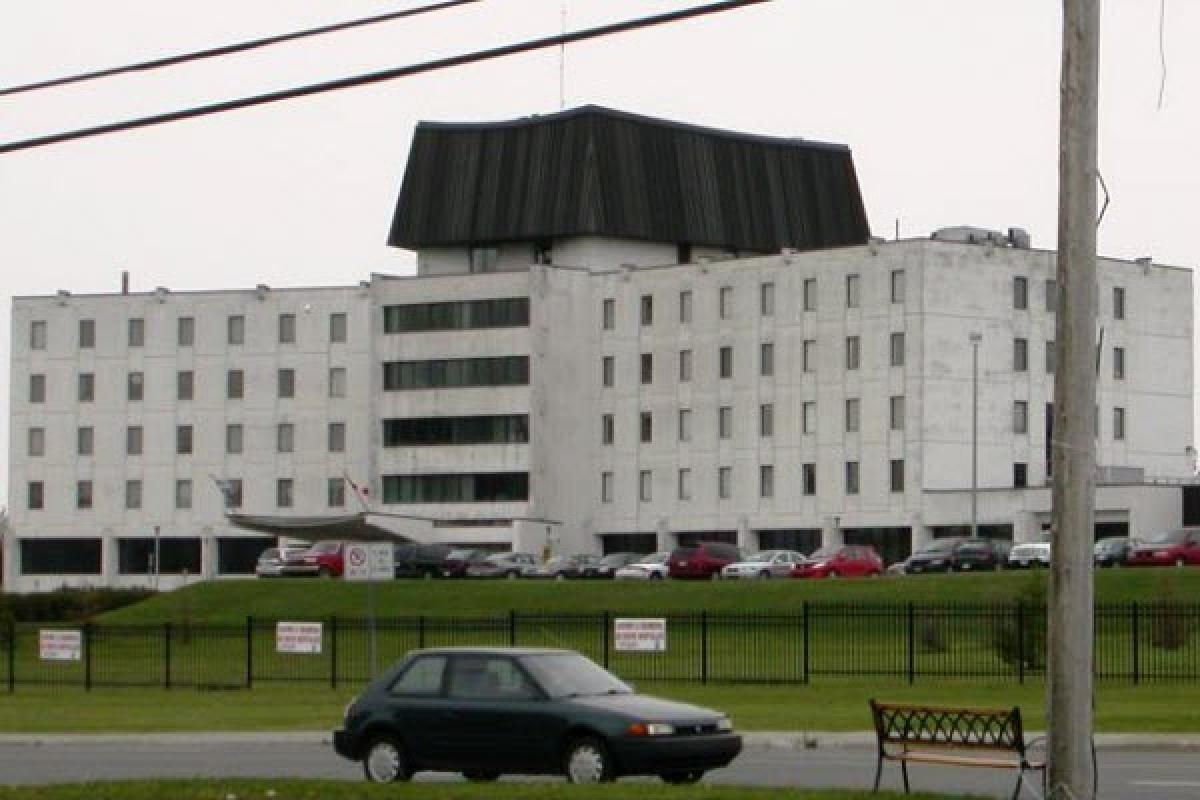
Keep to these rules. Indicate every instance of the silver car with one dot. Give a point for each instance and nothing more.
(649, 568)
(1029, 554)
(764, 564)
(503, 565)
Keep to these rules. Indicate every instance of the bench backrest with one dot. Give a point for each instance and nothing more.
(939, 726)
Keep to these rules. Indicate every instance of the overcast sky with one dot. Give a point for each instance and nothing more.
(950, 108)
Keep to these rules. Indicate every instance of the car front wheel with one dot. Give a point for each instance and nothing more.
(384, 761)
(682, 778)
(587, 761)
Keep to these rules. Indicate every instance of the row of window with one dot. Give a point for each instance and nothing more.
(482, 487)
(235, 434)
(506, 312)
(1021, 358)
(1020, 420)
(460, 373)
(185, 385)
(285, 493)
(185, 331)
(1021, 296)
(56, 555)
(482, 429)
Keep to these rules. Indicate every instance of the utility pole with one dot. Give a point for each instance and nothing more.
(975, 338)
(1071, 595)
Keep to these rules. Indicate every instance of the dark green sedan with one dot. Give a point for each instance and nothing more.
(507, 710)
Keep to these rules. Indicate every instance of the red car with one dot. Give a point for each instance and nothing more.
(848, 561)
(702, 561)
(1169, 548)
(322, 560)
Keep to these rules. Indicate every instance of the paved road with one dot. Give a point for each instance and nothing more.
(1125, 773)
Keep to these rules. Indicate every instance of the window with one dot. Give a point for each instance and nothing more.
(183, 494)
(337, 327)
(852, 291)
(766, 358)
(685, 366)
(606, 487)
(183, 439)
(725, 302)
(647, 309)
(808, 478)
(853, 352)
(185, 331)
(233, 438)
(607, 428)
(685, 424)
(647, 368)
(1051, 357)
(725, 422)
(896, 412)
(137, 332)
(1020, 475)
(35, 496)
(684, 489)
(724, 482)
(283, 492)
(1020, 416)
(1020, 355)
(235, 384)
(37, 442)
(766, 481)
(231, 490)
(1118, 302)
(1020, 292)
(685, 307)
(809, 355)
(608, 370)
(897, 349)
(336, 437)
(287, 328)
(766, 299)
(133, 494)
(482, 259)
(87, 334)
(235, 329)
(497, 312)
(646, 426)
(1051, 296)
(337, 381)
(683, 253)
(87, 387)
(285, 437)
(133, 440)
(726, 359)
(83, 495)
(286, 382)
(810, 294)
(645, 486)
(1118, 423)
(809, 417)
(184, 384)
(608, 314)
(37, 334)
(852, 414)
(766, 420)
(135, 386)
(1118, 363)
(897, 475)
(475, 429)
(335, 492)
(85, 441)
(851, 477)
(897, 286)
(37, 388)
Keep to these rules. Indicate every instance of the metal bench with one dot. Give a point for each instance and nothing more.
(958, 737)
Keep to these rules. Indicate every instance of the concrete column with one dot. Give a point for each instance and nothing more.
(662, 534)
(208, 557)
(831, 532)
(108, 558)
(1025, 527)
(12, 561)
(745, 537)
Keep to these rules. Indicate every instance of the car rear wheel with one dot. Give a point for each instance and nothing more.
(384, 761)
(682, 778)
(587, 761)
(480, 775)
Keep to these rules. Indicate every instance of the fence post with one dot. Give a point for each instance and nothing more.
(806, 659)
(87, 656)
(912, 645)
(333, 654)
(12, 656)
(421, 632)
(512, 628)
(249, 652)
(604, 621)
(1135, 651)
(166, 655)
(704, 646)
(1020, 642)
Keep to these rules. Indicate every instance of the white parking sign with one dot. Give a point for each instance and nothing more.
(369, 562)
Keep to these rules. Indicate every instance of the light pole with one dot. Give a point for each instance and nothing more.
(157, 553)
(975, 338)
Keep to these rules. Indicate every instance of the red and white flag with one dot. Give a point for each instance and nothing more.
(362, 492)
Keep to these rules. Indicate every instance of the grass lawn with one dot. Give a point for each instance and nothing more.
(330, 790)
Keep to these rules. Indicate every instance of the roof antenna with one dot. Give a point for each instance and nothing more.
(562, 59)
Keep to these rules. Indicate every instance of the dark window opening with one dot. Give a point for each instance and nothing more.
(53, 556)
(481, 487)
(176, 555)
(500, 429)
(505, 312)
(456, 373)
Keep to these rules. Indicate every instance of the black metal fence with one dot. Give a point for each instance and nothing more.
(1134, 642)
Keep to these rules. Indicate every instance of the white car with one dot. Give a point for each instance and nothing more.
(1029, 554)
(651, 568)
(764, 564)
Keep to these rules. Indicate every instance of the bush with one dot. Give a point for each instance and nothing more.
(66, 605)
(1020, 639)
(1170, 623)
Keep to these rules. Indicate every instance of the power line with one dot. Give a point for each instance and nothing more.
(168, 61)
(378, 77)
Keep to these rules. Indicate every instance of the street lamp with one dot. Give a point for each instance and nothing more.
(975, 338)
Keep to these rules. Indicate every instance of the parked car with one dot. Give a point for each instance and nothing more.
(1177, 547)
(847, 561)
(764, 564)
(980, 554)
(418, 560)
(457, 561)
(271, 561)
(487, 712)
(607, 566)
(502, 565)
(323, 560)
(898, 568)
(1029, 555)
(557, 568)
(937, 556)
(1111, 551)
(702, 561)
(648, 568)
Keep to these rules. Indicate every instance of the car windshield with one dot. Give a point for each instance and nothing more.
(654, 558)
(269, 553)
(824, 554)
(615, 560)
(498, 558)
(324, 547)
(572, 675)
(944, 546)
(758, 558)
(1167, 537)
(460, 555)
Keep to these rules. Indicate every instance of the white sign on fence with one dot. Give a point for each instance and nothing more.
(298, 637)
(641, 635)
(60, 645)
(369, 562)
